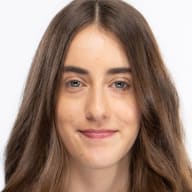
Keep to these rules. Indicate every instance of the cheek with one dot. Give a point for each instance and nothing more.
(65, 122)
(65, 113)
(68, 111)
(68, 117)
(127, 117)
(127, 111)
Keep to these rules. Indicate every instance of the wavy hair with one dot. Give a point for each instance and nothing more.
(35, 157)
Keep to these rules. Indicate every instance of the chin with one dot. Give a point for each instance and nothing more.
(101, 162)
(100, 165)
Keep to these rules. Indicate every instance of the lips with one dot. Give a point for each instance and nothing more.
(97, 134)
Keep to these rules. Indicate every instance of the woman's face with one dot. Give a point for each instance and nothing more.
(97, 115)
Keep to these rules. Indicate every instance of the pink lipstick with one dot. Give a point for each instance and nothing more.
(98, 134)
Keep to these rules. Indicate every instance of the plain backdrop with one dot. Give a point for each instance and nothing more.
(22, 24)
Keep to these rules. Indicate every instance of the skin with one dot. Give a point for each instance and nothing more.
(97, 100)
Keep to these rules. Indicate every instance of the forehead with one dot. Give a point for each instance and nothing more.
(94, 48)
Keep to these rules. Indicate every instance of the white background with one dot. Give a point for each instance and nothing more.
(22, 24)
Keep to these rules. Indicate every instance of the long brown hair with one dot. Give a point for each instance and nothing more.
(36, 159)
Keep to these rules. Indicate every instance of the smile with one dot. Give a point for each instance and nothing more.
(98, 134)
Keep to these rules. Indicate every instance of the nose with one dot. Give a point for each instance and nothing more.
(97, 108)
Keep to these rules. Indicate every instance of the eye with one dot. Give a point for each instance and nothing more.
(122, 85)
(73, 83)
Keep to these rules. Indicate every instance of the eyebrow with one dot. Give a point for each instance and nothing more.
(112, 71)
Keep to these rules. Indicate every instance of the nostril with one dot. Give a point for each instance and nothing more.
(97, 108)
(91, 116)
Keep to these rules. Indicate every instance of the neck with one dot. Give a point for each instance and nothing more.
(109, 179)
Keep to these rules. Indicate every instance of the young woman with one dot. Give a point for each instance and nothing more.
(99, 111)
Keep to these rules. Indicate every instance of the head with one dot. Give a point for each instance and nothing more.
(96, 94)
(139, 104)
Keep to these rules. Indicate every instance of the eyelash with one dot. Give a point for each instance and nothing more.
(125, 86)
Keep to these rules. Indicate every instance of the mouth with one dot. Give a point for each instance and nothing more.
(97, 134)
